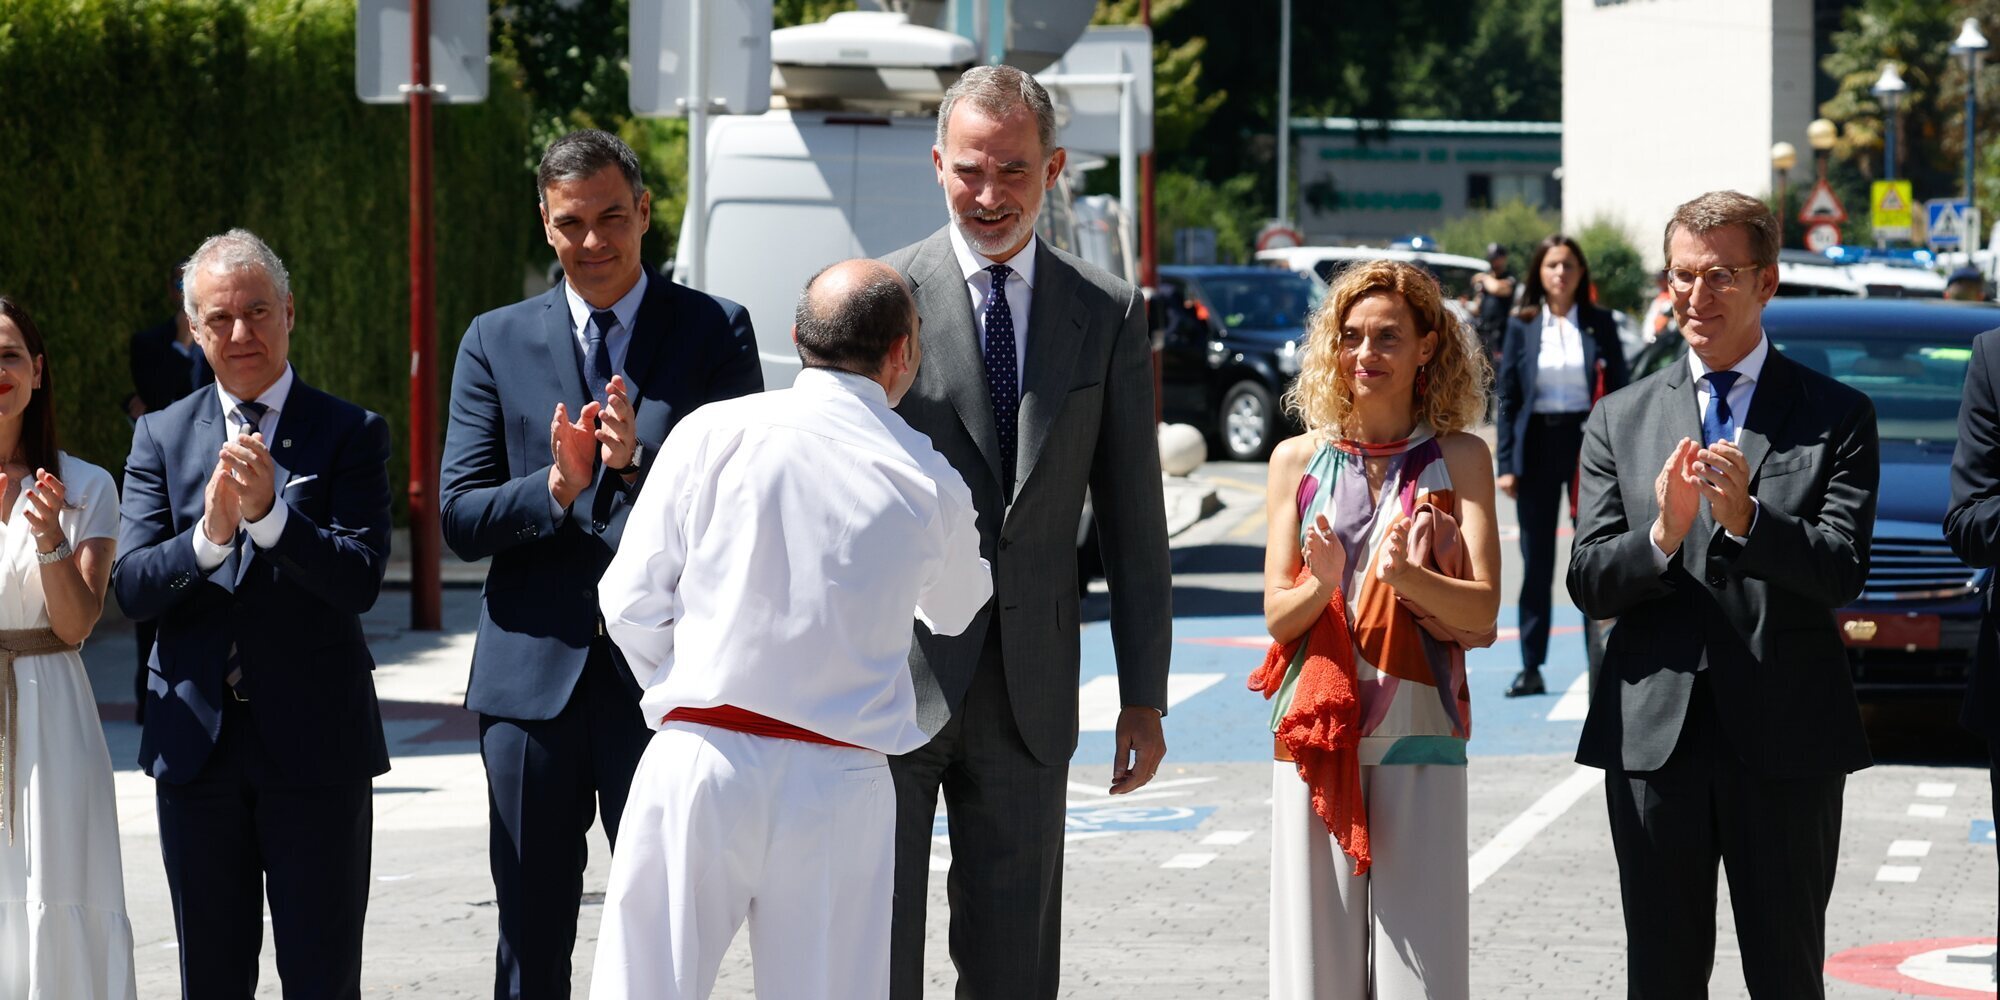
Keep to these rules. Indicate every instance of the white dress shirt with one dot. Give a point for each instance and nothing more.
(1561, 384)
(266, 532)
(777, 558)
(1020, 291)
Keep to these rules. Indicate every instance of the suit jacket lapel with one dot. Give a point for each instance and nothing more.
(560, 335)
(649, 328)
(1770, 406)
(951, 344)
(1054, 336)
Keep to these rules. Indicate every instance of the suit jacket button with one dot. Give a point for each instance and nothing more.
(1004, 542)
(599, 525)
(1717, 580)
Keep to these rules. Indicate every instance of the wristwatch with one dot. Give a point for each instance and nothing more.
(61, 552)
(638, 451)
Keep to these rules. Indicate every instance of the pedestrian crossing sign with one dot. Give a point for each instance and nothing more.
(1889, 209)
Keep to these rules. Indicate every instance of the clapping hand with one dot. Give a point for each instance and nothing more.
(256, 475)
(574, 445)
(222, 505)
(617, 438)
(1723, 475)
(1678, 497)
(1323, 553)
(46, 497)
(1395, 560)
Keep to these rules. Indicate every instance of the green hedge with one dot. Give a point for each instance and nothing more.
(131, 129)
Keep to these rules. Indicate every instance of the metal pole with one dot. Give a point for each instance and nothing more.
(1889, 147)
(1149, 261)
(1284, 110)
(1971, 237)
(426, 536)
(1128, 143)
(697, 111)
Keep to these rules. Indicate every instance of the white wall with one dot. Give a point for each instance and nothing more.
(1666, 99)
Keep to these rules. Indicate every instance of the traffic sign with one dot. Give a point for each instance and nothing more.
(1891, 209)
(1821, 236)
(1945, 220)
(1822, 206)
(1277, 235)
(382, 51)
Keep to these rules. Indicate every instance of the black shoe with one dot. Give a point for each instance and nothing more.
(1528, 681)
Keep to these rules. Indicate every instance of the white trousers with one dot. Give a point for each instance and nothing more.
(723, 827)
(1400, 932)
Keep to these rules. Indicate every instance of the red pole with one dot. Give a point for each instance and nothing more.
(426, 535)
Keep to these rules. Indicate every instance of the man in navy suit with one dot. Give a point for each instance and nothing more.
(557, 402)
(255, 528)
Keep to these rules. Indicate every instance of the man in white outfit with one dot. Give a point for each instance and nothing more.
(763, 594)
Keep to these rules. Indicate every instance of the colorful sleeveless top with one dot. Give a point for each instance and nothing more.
(1415, 708)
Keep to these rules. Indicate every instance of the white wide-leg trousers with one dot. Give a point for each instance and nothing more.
(722, 827)
(1400, 932)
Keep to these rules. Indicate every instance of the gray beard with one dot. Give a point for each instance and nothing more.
(995, 245)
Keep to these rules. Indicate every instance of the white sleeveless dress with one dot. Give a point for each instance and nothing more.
(63, 930)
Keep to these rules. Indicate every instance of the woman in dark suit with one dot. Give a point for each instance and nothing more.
(1560, 353)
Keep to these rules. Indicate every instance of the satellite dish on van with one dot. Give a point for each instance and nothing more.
(866, 60)
(1035, 33)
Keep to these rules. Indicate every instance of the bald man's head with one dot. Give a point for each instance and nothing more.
(851, 314)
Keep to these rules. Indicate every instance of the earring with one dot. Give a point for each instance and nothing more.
(1423, 379)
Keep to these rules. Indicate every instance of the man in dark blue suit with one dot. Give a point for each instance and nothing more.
(255, 529)
(557, 402)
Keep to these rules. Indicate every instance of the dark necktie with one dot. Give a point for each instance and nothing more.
(1717, 422)
(597, 351)
(250, 416)
(1002, 377)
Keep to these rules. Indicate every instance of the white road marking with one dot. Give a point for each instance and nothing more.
(1910, 849)
(1189, 860)
(1098, 704)
(1897, 873)
(1228, 838)
(1088, 835)
(1575, 702)
(1516, 834)
(1114, 801)
(1097, 701)
(940, 864)
(1936, 789)
(1927, 811)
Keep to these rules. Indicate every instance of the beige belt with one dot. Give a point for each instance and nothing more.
(15, 643)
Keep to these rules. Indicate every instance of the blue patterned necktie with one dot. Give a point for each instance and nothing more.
(250, 416)
(1717, 422)
(1003, 380)
(597, 351)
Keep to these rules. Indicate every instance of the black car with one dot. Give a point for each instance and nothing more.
(1914, 627)
(1231, 338)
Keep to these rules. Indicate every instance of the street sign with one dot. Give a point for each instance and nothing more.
(1891, 209)
(1822, 206)
(736, 58)
(1098, 59)
(1821, 236)
(1946, 221)
(382, 51)
(1277, 235)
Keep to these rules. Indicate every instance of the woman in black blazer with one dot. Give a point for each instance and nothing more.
(1560, 353)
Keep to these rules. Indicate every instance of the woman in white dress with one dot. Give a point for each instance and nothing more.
(63, 931)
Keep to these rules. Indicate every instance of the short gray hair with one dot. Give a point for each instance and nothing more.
(1721, 209)
(235, 250)
(999, 91)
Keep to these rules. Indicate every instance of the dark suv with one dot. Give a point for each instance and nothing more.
(1231, 338)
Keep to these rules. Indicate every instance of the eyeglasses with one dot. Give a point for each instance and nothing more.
(1718, 279)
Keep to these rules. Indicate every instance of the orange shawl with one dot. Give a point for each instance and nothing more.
(1323, 727)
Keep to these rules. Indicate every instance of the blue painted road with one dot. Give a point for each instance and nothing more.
(1226, 722)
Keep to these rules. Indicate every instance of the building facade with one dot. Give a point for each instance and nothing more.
(1373, 182)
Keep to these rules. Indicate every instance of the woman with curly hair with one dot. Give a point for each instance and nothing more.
(1382, 563)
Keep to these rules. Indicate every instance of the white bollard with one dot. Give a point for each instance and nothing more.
(1182, 449)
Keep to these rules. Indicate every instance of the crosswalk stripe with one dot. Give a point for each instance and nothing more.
(1575, 702)
(1097, 701)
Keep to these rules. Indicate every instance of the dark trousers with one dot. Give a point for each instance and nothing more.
(1005, 885)
(235, 835)
(545, 782)
(1549, 455)
(1777, 839)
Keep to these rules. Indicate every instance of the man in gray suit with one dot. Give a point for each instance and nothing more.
(1036, 385)
(1728, 504)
